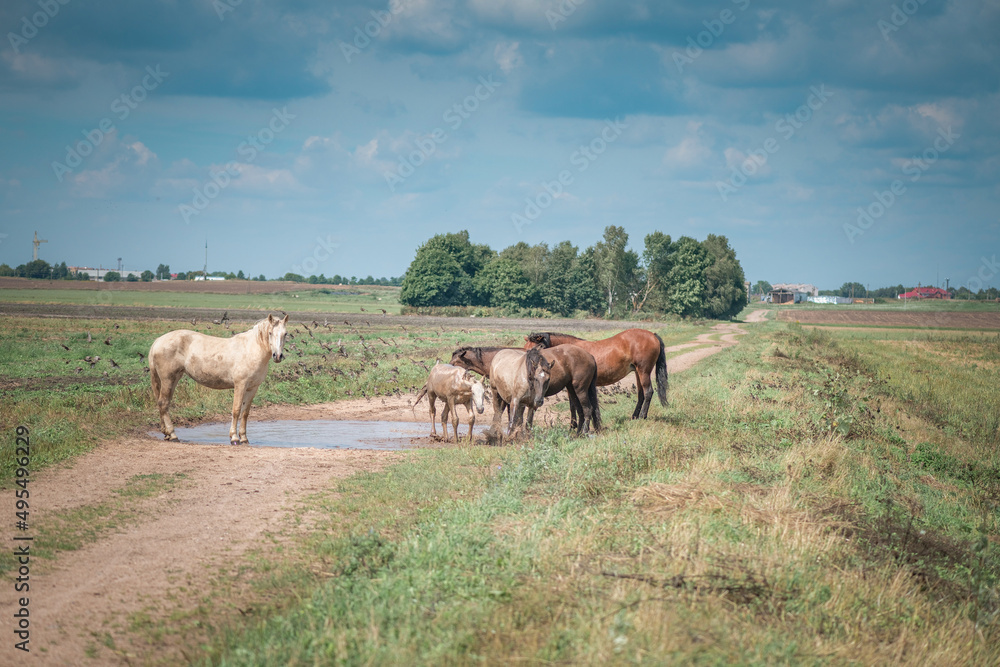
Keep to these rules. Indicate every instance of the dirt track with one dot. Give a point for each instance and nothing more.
(228, 500)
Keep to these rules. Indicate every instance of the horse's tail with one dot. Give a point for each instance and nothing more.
(154, 379)
(423, 392)
(595, 414)
(662, 383)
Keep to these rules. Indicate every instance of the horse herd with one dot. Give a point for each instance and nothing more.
(521, 377)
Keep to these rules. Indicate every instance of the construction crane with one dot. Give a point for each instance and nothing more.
(37, 242)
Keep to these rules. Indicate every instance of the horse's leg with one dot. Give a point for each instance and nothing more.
(454, 418)
(166, 395)
(577, 407)
(238, 392)
(647, 384)
(444, 418)
(432, 399)
(245, 413)
(641, 398)
(515, 414)
(472, 417)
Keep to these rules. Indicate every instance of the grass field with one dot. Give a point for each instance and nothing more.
(321, 299)
(808, 500)
(810, 497)
(925, 305)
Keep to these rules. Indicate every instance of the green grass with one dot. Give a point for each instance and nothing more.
(337, 300)
(748, 526)
(810, 496)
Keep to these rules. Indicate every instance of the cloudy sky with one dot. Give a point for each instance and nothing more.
(834, 141)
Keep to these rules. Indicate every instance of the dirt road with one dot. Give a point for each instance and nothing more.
(184, 545)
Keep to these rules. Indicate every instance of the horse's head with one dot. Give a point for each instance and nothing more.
(539, 373)
(276, 336)
(541, 340)
(468, 358)
(478, 392)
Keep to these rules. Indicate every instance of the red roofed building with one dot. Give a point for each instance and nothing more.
(926, 293)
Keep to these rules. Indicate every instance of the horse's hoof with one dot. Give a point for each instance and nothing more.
(234, 442)
(171, 437)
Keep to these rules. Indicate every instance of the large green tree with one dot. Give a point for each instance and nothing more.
(502, 284)
(616, 267)
(725, 286)
(856, 290)
(761, 287)
(442, 272)
(435, 278)
(686, 278)
(582, 290)
(656, 261)
(37, 268)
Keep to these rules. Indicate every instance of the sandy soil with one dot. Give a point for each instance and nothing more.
(229, 500)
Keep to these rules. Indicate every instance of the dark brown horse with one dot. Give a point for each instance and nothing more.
(632, 350)
(572, 369)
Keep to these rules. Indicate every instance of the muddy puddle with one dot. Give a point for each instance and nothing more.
(320, 433)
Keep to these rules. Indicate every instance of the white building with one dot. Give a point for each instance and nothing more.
(805, 288)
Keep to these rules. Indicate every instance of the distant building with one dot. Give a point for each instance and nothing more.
(926, 293)
(782, 295)
(830, 299)
(209, 278)
(805, 288)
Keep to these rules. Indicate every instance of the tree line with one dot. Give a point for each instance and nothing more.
(685, 277)
(42, 270)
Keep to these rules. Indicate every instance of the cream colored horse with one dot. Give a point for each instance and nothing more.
(238, 363)
(520, 380)
(455, 386)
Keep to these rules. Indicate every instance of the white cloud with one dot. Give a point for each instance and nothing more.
(507, 56)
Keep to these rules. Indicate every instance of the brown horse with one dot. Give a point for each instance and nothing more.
(238, 363)
(572, 369)
(632, 350)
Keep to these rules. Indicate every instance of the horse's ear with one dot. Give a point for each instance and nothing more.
(285, 319)
(270, 318)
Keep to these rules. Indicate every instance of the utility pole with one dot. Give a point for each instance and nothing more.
(205, 271)
(36, 243)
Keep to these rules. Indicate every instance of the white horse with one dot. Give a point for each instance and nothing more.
(455, 386)
(238, 363)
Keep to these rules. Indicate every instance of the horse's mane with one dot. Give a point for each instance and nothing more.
(533, 359)
(261, 331)
(545, 337)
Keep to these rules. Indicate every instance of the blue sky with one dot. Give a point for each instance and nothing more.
(830, 141)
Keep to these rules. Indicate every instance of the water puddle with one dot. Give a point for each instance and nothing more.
(319, 433)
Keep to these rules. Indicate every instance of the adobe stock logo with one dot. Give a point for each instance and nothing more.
(248, 150)
(122, 106)
(987, 270)
(38, 20)
(915, 167)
